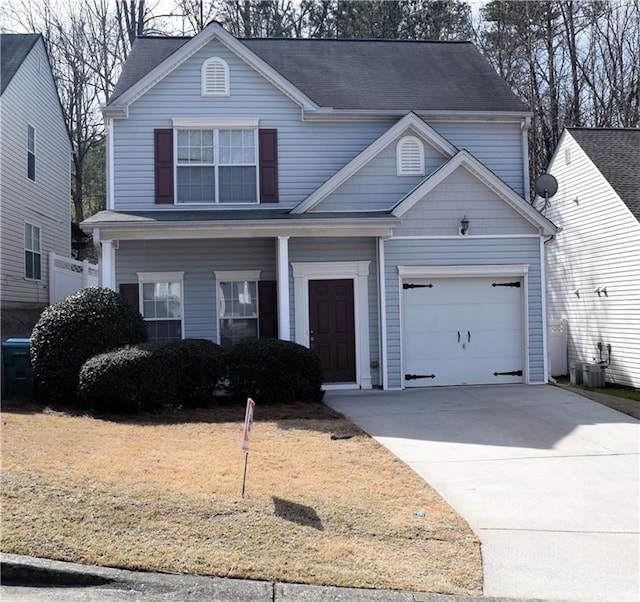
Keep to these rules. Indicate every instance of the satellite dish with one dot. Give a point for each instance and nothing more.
(546, 185)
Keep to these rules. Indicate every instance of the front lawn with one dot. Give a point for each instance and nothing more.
(325, 504)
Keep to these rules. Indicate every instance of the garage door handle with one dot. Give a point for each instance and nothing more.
(458, 336)
(468, 337)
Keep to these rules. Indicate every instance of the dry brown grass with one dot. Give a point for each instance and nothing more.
(164, 494)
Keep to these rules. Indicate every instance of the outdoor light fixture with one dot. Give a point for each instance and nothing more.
(464, 226)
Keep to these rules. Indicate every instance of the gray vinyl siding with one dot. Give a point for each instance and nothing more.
(308, 153)
(377, 186)
(496, 144)
(328, 250)
(31, 99)
(598, 246)
(460, 195)
(453, 252)
(198, 259)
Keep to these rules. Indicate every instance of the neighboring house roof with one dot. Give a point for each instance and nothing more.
(362, 74)
(616, 154)
(14, 48)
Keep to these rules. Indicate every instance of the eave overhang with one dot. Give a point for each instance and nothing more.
(148, 229)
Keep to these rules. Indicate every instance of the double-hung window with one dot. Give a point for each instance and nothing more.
(31, 152)
(237, 306)
(161, 304)
(217, 165)
(32, 253)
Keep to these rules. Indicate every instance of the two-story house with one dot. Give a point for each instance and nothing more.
(593, 264)
(363, 198)
(35, 178)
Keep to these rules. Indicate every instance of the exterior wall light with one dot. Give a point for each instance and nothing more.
(464, 226)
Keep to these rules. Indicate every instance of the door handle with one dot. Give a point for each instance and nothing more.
(468, 337)
(458, 336)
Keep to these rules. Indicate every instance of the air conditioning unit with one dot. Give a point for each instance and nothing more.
(593, 375)
(575, 372)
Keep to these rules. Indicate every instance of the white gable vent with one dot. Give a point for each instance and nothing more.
(215, 77)
(410, 156)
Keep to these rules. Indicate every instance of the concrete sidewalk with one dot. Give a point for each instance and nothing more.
(26, 579)
(547, 479)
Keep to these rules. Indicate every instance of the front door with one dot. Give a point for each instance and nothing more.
(332, 328)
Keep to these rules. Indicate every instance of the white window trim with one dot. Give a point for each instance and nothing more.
(39, 252)
(31, 151)
(155, 277)
(234, 276)
(400, 166)
(358, 271)
(216, 125)
(203, 78)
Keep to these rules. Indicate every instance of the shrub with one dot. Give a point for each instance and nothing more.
(89, 322)
(271, 371)
(154, 375)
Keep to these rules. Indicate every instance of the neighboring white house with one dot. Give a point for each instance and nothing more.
(35, 155)
(593, 263)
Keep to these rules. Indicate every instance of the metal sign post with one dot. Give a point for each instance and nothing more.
(248, 421)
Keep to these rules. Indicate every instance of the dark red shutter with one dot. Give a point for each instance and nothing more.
(131, 294)
(268, 147)
(268, 309)
(164, 166)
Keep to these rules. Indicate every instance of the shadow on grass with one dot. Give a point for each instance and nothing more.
(297, 513)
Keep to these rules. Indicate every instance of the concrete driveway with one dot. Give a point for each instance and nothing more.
(547, 479)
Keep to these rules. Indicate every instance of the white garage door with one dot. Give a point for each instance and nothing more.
(462, 331)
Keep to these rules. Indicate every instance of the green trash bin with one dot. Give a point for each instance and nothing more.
(16, 362)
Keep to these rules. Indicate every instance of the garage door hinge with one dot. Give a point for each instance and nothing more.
(512, 373)
(512, 284)
(417, 376)
(405, 286)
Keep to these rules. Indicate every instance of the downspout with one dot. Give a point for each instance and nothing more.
(110, 163)
(382, 296)
(526, 124)
(545, 329)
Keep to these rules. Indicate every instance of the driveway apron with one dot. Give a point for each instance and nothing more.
(547, 479)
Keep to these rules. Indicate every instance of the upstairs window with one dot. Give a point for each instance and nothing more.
(410, 157)
(215, 77)
(32, 253)
(217, 166)
(31, 153)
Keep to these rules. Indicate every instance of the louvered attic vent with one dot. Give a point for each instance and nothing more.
(410, 157)
(215, 77)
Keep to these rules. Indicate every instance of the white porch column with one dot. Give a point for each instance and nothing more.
(108, 264)
(282, 254)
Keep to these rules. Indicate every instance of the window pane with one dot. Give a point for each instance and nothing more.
(196, 184)
(233, 331)
(237, 184)
(164, 330)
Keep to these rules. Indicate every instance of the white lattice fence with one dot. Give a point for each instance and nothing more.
(66, 276)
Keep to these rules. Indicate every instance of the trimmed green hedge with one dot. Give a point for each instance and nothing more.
(273, 371)
(151, 376)
(91, 321)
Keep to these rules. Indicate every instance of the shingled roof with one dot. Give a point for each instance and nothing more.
(362, 74)
(616, 154)
(14, 48)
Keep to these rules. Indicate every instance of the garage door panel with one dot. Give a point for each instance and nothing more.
(462, 330)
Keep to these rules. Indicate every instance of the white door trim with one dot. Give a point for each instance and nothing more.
(461, 271)
(358, 271)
